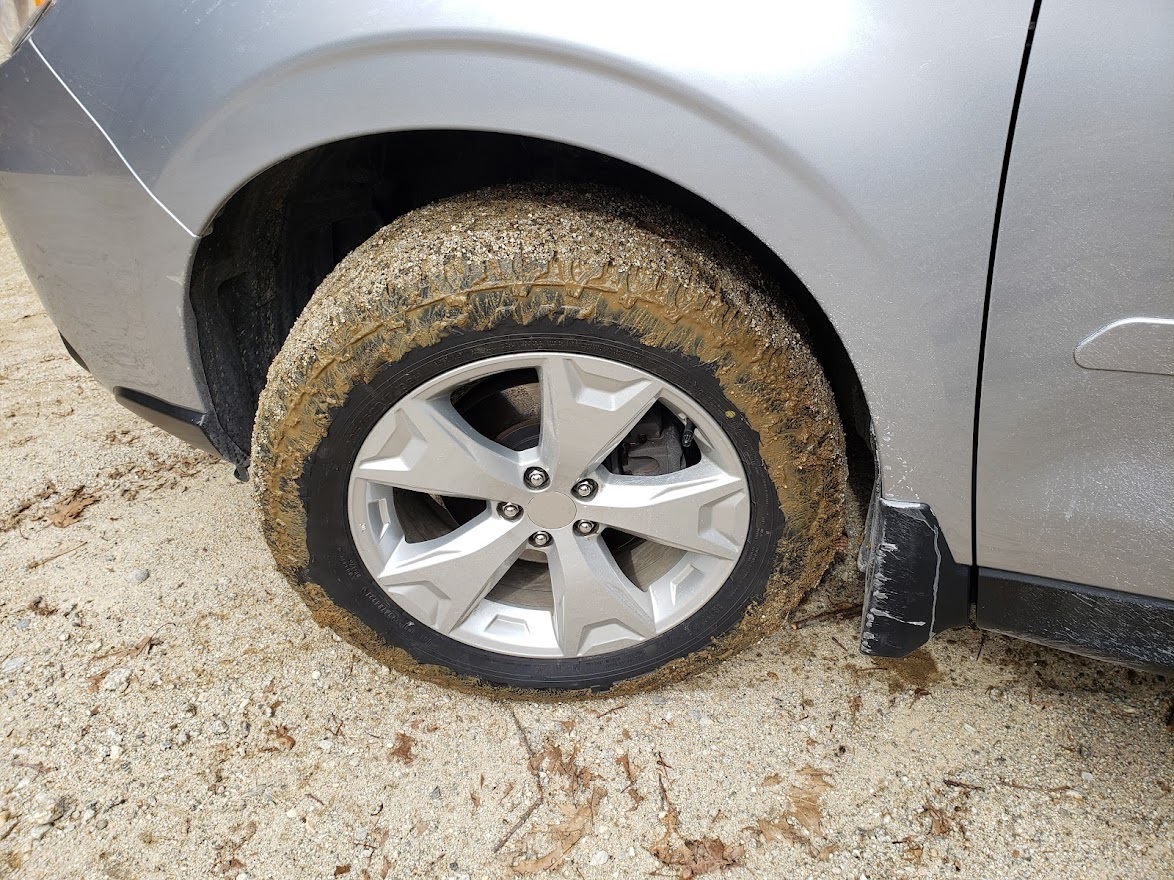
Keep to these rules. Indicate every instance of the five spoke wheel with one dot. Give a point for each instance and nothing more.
(513, 523)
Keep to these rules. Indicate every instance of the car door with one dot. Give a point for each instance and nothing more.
(1075, 461)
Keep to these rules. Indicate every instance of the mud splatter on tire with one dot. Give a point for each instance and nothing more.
(520, 255)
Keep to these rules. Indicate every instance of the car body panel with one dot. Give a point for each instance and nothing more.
(861, 140)
(1076, 441)
(108, 262)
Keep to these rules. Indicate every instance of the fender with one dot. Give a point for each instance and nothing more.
(861, 140)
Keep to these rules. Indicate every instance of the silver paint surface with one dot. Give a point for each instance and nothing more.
(1131, 345)
(1076, 466)
(862, 140)
(107, 260)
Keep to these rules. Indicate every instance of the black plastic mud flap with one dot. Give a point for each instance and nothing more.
(913, 587)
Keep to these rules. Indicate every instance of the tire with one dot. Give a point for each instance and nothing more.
(515, 286)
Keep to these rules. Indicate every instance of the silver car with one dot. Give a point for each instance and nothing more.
(553, 336)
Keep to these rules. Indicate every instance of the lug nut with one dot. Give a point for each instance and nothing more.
(584, 526)
(540, 539)
(584, 488)
(509, 510)
(536, 477)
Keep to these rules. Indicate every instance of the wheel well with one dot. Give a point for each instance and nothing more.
(277, 237)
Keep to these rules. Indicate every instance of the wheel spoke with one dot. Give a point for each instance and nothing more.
(594, 602)
(586, 413)
(442, 580)
(432, 449)
(701, 508)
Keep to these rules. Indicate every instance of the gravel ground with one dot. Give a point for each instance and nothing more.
(169, 710)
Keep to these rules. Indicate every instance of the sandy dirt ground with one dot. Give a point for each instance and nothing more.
(169, 710)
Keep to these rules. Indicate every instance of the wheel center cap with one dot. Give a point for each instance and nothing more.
(551, 510)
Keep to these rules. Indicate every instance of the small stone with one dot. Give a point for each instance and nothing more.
(138, 575)
(116, 680)
(969, 728)
(1086, 776)
(219, 727)
(435, 793)
(23, 624)
(13, 665)
(101, 823)
(39, 831)
(48, 810)
(7, 827)
(599, 857)
(325, 745)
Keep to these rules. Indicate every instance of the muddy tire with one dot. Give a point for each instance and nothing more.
(548, 441)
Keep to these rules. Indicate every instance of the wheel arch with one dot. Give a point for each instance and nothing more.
(272, 241)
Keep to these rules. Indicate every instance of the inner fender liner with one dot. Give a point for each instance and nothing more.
(929, 591)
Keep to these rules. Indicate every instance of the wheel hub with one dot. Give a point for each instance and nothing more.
(551, 510)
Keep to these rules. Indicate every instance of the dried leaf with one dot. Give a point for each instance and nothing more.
(805, 799)
(40, 607)
(402, 750)
(771, 779)
(854, 705)
(706, 855)
(630, 772)
(554, 760)
(284, 740)
(691, 858)
(228, 863)
(139, 649)
(95, 680)
(340, 870)
(565, 835)
(939, 823)
(20, 513)
(69, 509)
(913, 850)
(779, 829)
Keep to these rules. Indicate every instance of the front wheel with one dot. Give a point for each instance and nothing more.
(527, 439)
